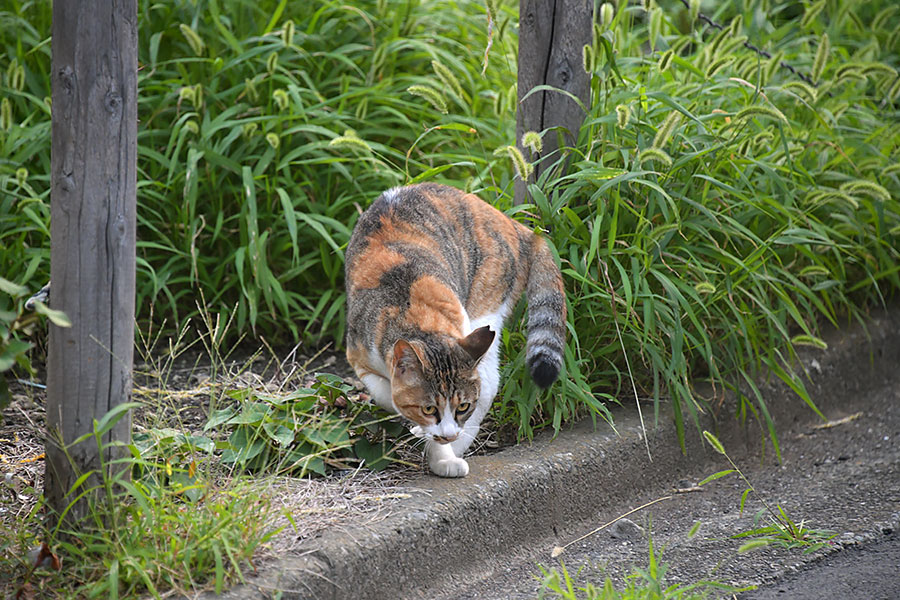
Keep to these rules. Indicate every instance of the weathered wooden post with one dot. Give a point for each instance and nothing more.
(92, 255)
(552, 34)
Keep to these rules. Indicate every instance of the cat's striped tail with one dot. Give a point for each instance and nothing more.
(546, 316)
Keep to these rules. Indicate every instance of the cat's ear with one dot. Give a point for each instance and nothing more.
(477, 342)
(407, 361)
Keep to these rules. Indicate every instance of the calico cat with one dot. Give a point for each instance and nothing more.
(432, 273)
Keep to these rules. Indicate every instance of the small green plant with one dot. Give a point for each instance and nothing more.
(142, 535)
(643, 583)
(780, 529)
(303, 431)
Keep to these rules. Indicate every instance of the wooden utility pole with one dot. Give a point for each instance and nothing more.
(92, 252)
(552, 34)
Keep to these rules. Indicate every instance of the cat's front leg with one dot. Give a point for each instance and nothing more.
(443, 462)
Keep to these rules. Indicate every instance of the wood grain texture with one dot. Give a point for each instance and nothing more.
(552, 34)
(93, 206)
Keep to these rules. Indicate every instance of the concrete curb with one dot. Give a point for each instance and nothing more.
(534, 493)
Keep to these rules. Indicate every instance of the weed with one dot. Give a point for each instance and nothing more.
(780, 529)
(647, 583)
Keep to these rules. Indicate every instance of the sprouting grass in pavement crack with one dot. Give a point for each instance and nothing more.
(642, 583)
(780, 529)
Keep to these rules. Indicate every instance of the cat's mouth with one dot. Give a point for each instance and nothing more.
(420, 432)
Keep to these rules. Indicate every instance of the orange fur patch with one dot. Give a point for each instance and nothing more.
(433, 307)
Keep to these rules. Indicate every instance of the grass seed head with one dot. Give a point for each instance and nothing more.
(655, 154)
(822, 54)
(623, 115)
(287, 33)
(430, 94)
(665, 60)
(193, 39)
(447, 78)
(666, 129)
(6, 119)
(532, 140)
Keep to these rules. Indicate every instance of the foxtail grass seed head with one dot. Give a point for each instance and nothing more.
(273, 140)
(882, 17)
(430, 94)
(186, 94)
(6, 115)
(193, 39)
(704, 287)
(694, 529)
(665, 60)
(607, 11)
(16, 76)
(717, 65)
(281, 99)
(712, 49)
(655, 155)
(809, 340)
(350, 141)
(532, 140)
(737, 24)
(287, 33)
(656, 19)
(271, 62)
(731, 43)
(666, 129)
(587, 58)
(760, 110)
(623, 115)
(523, 167)
(491, 6)
(714, 442)
(894, 90)
(891, 169)
(694, 9)
(812, 11)
(822, 55)
(447, 78)
(804, 90)
(867, 188)
(191, 125)
(248, 129)
(197, 99)
(21, 176)
(833, 197)
(814, 271)
(752, 545)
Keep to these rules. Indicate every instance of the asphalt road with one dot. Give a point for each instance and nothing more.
(844, 478)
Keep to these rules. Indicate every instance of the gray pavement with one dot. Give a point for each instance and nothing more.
(484, 536)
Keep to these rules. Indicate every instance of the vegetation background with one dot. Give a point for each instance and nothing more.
(717, 209)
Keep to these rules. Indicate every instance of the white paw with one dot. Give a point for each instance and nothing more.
(449, 467)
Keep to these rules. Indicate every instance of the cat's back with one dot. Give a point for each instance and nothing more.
(432, 228)
(437, 235)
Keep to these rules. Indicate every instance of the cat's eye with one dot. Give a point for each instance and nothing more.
(463, 407)
(429, 410)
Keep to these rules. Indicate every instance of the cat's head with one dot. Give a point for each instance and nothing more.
(435, 383)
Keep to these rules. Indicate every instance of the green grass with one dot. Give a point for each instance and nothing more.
(778, 527)
(146, 531)
(642, 583)
(716, 211)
